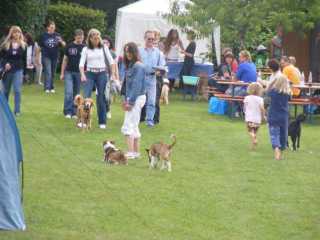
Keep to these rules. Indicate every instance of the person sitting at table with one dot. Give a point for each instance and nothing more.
(188, 57)
(291, 73)
(274, 66)
(247, 72)
(172, 48)
(293, 61)
(234, 63)
(224, 72)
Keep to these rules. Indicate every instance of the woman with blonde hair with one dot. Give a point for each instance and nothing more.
(12, 52)
(279, 92)
(100, 65)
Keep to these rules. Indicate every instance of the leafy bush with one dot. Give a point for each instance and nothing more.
(27, 14)
(69, 17)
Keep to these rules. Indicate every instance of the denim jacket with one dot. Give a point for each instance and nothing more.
(135, 82)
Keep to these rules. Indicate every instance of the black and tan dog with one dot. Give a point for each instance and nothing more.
(112, 155)
(161, 151)
(294, 131)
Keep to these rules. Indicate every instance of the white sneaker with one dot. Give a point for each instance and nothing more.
(237, 114)
(47, 91)
(102, 126)
(130, 155)
(109, 115)
(136, 155)
(74, 117)
(68, 116)
(53, 91)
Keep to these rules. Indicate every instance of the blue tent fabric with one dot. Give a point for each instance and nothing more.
(11, 212)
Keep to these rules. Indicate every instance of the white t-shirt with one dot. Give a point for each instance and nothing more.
(252, 109)
(174, 52)
(95, 57)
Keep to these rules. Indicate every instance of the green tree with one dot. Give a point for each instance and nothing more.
(28, 14)
(247, 23)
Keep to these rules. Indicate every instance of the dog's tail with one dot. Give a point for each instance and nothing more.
(148, 153)
(174, 138)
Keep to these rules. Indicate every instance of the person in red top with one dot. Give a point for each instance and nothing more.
(234, 64)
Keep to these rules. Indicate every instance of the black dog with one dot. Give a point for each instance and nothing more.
(294, 131)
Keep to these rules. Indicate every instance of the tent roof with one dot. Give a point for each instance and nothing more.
(149, 7)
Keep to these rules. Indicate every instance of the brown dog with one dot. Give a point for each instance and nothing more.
(161, 151)
(112, 155)
(87, 113)
(79, 101)
(164, 98)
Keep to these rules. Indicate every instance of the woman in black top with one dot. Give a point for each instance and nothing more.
(12, 53)
(188, 57)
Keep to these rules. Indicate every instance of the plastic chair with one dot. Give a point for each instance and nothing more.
(190, 84)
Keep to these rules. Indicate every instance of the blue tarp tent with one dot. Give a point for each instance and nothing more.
(11, 213)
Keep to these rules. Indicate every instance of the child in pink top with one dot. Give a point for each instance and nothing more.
(254, 111)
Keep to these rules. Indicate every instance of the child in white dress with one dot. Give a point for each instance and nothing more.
(254, 111)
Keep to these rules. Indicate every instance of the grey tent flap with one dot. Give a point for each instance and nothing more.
(11, 213)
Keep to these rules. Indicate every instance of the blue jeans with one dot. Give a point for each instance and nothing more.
(100, 81)
(71, 89)
(151, 89)
(14, 78)
(49, 68)
(278, 136)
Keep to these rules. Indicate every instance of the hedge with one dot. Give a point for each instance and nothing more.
(69, 17)
(28, 14)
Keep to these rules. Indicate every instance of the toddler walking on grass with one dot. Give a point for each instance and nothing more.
(254, 111)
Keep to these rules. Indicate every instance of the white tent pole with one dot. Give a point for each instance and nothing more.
(217, 43)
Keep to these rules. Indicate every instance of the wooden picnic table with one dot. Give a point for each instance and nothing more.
(233, 85)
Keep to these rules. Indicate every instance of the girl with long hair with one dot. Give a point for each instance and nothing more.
(172, 48)
(278, 116)
(13, 51)
(134, 98)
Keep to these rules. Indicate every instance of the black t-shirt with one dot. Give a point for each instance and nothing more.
(49, 44)
(191, 49)
(15, 57)
(73, 52)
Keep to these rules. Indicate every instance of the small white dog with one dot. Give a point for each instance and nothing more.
(164, 98)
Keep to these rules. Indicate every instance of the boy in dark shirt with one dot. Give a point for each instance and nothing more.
(70, 73)
(49, 43)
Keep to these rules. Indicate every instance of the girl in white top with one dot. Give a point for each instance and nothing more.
(173, 46)
(254, 111)
(99, 65)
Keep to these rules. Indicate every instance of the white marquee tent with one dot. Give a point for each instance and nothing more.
(134, 19)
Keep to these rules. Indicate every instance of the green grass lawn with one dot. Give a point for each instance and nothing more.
(218, 188)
